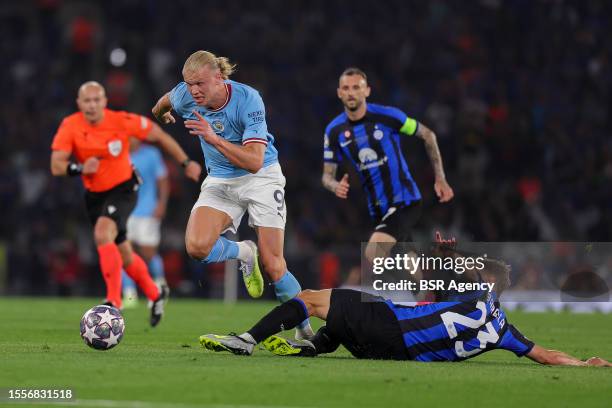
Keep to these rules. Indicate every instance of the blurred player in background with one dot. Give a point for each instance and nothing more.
(367, 136)
(144, 224)
(243, 174)
(98, 138)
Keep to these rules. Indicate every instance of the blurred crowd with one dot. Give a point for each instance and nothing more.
(517, 91)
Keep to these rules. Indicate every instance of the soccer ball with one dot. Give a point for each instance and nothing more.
(102, 327)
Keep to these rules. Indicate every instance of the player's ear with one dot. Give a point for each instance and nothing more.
(338, 93)
(367, 91)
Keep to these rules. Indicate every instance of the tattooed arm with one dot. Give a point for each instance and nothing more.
(340, 188)
(443, 190)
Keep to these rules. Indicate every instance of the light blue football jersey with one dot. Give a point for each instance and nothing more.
(149, 162)
(241, 120)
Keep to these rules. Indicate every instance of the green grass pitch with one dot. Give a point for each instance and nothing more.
(40, 347)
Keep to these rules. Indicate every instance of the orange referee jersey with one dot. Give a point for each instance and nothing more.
(107, 140)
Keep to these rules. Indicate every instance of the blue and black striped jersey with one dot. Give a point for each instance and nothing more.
(372, 146)
(454, 331)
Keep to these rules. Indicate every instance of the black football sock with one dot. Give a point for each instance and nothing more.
(283, 317)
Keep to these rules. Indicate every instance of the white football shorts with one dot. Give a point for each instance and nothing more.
(261, 194)
(144, 231)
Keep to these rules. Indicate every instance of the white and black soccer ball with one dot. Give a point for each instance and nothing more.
(102, 327)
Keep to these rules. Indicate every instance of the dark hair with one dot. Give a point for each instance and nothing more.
(494, 271)
(498, 271)
(355, 71)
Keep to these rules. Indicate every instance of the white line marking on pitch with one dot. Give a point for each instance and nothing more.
(147, 404)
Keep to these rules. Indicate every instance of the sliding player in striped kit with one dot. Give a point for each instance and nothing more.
(371, 327)
(243, 174)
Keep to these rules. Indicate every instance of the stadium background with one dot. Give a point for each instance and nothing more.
(518, 93)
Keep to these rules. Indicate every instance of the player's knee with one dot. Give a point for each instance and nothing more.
(101, 238)
(103, 233)
(371, 251)
(198, 248)
(377, 249)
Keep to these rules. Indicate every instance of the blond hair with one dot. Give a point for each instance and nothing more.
(201, 58)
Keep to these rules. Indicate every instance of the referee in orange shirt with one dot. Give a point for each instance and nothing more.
(98, 138)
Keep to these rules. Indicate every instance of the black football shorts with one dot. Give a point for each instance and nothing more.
(116, 203)
(365, 325)
(399, 221)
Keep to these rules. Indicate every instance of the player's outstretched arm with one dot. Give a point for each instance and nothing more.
(162, 110)
(192, 169)
(554, 357)
(443, 190)
(339, 188)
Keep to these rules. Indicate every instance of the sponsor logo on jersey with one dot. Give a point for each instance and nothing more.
(115, 147)
(111, 209)
(369, 159)
(347, 134)
(256, 116)
(378, 134)
(367, 155)
(348, 142)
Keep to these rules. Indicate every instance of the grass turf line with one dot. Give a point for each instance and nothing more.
(40, 347)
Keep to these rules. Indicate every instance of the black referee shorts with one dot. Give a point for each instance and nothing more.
(399, 221)
(365, 325)
(116, 203)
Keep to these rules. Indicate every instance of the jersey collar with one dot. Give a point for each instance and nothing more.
(228, 88)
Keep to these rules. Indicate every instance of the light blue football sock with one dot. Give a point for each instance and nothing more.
(156, 267)
(223, 250)
(286, 288)
(126, 282)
